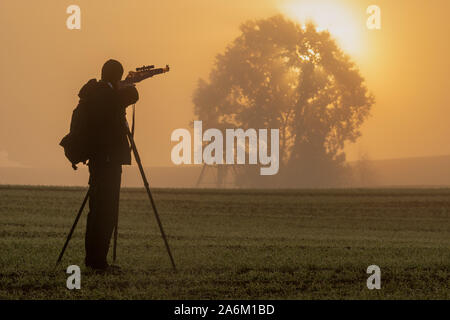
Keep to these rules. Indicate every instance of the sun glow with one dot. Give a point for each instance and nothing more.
(338, 18)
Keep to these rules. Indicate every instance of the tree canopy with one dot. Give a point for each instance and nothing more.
(280, 74)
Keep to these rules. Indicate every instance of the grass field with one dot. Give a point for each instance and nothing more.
(235, 244)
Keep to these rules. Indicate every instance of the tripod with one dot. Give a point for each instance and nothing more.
(149, 193)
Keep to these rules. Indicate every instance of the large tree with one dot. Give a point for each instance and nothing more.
(280, 74)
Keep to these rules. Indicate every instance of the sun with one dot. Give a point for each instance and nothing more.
(338, 18)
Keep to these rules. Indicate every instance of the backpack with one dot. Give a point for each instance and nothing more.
(76, 142)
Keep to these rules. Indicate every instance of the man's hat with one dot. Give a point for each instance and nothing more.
(112, 71)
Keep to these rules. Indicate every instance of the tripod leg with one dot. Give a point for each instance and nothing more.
(69, 236)
(115, 238)
(201, 175)
(149, 193)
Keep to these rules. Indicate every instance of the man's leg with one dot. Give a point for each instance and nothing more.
(104, 210)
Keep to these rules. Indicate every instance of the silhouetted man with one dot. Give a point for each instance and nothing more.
(109, 150)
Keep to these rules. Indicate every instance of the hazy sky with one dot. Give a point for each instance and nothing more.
(44, 65)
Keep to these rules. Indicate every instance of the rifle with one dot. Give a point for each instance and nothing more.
(142, 73)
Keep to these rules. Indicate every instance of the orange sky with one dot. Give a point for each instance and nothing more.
(44, 64)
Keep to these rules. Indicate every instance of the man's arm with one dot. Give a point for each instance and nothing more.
(127, 96)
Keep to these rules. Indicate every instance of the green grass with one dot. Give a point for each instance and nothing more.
(235, 244)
